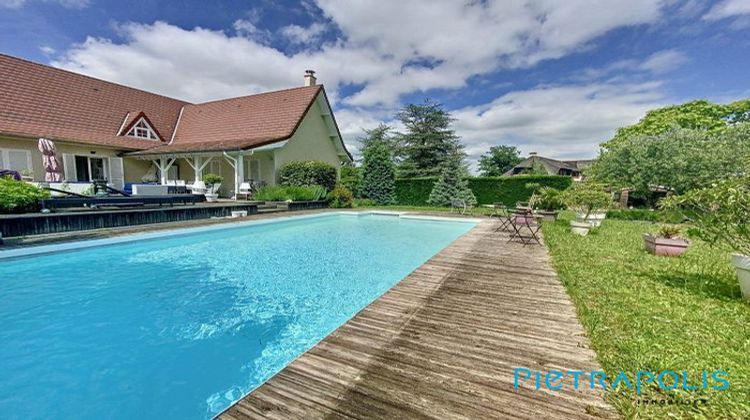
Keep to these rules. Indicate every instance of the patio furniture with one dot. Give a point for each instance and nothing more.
(525, 228)
(502, 213)
(199, 188)
(149, 189)
(461, 206)
(245, 189)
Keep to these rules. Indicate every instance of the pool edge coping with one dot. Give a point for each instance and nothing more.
(36, 250)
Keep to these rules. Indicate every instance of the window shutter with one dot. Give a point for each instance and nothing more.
(116, 174)
(69, 166)
(2, 164)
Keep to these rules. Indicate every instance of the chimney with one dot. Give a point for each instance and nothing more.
(310, 78)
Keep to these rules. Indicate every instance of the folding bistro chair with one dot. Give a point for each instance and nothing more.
(525, 228)
(503, 215)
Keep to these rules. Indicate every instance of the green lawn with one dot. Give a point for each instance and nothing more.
(650, 313)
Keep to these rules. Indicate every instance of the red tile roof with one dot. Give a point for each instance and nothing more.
(241, 123)
(41, 101)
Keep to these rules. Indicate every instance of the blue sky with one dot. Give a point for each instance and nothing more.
(547, 76)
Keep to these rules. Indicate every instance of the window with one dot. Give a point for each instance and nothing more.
(16, 160)
(91, 168)
(252, 169)
(142, 130)
(214, 167)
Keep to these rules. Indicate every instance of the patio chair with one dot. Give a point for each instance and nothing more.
(503, 215)
(525, 228)
(199, 188)
(461, 206)
(245, 189)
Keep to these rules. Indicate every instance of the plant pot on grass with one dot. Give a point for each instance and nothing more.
(547, 202)
(720, 214)
(590, 203)
(666, 243)
(580, 228)
(741, 264)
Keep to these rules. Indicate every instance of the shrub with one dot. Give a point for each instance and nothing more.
(487, 190)
(351, 178)
(19, 196)
(669, 231)
(340, 197)
(720, 212)
(364, 202)
(663, 216)
(307, 173)
(212, 179)
(586, 198)
(284, 193)
(548, 199)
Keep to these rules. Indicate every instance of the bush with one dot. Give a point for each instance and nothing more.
(548, 199)
(340, 197)
(661, 216)
(487, 190)
(307, 173)
(364, 202)
(19, 196)
(720, 212)
(586, 198)
(212, 179)
(351, 178)
(282, 193)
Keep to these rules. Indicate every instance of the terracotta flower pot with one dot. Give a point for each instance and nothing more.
(580, 228)
(741, 264)
(666, 247)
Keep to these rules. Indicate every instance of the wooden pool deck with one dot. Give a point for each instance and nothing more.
(443, 343)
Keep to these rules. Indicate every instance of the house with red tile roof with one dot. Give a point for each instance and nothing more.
(103, 130)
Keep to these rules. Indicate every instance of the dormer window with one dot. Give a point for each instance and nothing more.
(142, 130)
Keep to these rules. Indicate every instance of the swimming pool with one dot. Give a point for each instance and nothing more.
(182, 325)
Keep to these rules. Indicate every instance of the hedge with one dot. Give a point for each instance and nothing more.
(305, 173)
(660, 216)
(488, 190)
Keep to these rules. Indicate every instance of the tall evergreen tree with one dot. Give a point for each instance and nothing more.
(451, 184)
(428, 141)
(378, 169)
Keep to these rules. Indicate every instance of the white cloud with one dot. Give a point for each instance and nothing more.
(556, 121)
(303, 35)
(71, 4)
(664, 61)
(47, 50)
(389, 49)
(728, 8)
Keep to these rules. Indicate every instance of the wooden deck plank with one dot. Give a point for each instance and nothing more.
(443, 343)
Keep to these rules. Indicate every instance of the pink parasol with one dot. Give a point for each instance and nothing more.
(50, 162)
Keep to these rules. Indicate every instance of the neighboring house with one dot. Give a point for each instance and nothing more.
(572, 168)
(103, 130)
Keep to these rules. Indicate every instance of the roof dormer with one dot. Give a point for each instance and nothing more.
(141, 128)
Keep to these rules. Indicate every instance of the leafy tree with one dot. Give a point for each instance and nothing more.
(498, 160)
(451, 184)
(680, 159)
(428, 141)
(698, 115)
(378, 169)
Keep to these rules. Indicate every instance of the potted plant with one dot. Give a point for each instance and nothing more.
(666, 242)
(721, 215)
(213, 182)
(547, 202)
(588, 201)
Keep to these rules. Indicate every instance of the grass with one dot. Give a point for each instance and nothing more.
(648, 313)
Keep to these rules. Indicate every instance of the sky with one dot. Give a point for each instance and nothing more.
(552, 77)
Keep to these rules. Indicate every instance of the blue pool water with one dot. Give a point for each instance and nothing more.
(182, 326)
